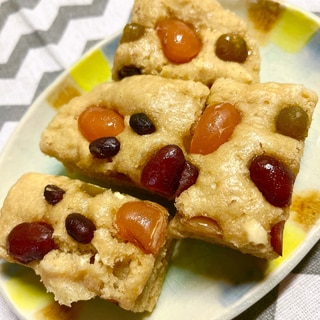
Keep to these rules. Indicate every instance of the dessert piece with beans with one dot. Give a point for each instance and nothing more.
(189, 40)
(130, 137)
(247, 146)
(85, 241)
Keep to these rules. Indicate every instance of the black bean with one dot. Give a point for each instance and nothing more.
(141, 124)
(80, 227)
(127, 71)
(53, 194)
(105, 147)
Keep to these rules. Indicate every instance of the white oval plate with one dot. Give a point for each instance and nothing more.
(204, 281)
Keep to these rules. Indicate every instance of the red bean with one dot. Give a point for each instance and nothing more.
(273, 178)
(30, 241)
(163, 171)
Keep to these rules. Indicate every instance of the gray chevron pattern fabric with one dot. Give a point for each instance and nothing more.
(39, 39)
(50, 36)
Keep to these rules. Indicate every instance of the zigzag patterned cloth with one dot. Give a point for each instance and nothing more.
(40, 39)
